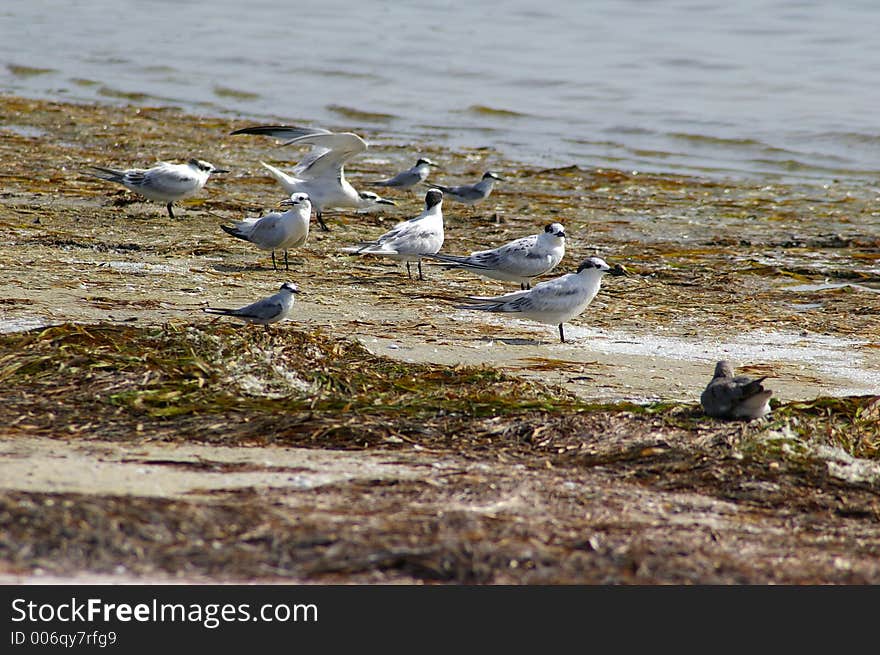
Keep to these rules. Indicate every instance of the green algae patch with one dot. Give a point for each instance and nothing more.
(94, 374)
(850, 423)
(28, 71)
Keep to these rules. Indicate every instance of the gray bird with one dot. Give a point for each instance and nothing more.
(409, 177)
(732, 397)
(470, 194)
(263, 312)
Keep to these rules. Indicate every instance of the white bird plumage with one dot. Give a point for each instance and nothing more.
(165, 182)
(265, 311)
(409, 241)
(277, 230)
(321, 173)
(519, 261)
(552, 302)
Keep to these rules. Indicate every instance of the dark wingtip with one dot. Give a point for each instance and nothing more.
(233, 232)
(260, 129)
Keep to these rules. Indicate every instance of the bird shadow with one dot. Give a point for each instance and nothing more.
(514, 341)
(233, 268)
(374, 279)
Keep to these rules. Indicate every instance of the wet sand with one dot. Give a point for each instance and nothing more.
(784, 280)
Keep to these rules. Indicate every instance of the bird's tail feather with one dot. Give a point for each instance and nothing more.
(108, 174)
(219, 310)
(288, 182)
(754, 387)
(455, 261)
(482, 306)
(234, 231)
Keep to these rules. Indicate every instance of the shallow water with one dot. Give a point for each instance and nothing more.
(772, 88)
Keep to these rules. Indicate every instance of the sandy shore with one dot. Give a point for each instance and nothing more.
(783, 280)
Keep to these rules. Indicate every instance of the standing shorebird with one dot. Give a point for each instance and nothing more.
(164, 182)
(555, 301)
(410, 240)
(277, 230)
(471, 194)
(410, 177)
(520, 260)
(263, 312)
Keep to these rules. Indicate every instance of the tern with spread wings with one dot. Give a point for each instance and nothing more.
(321, 173)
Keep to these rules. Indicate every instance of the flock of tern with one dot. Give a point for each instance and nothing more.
(318, 183)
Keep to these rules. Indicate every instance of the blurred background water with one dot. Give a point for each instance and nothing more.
(780, 89)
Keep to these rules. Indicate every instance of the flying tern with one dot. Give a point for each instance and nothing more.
(321, 172)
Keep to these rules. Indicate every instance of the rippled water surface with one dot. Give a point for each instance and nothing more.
(785, 89)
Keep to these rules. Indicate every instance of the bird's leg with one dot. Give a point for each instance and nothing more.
(286, 263)
(321, 221)
(421, 277)
(561, 334)
(274, 265)
(408, 271)
(168, 207)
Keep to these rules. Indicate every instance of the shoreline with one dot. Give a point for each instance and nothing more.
(580, 438)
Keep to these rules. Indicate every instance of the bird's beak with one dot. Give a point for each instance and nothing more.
(220, 170)
(618, 269)
(287, 202)
(385, 201)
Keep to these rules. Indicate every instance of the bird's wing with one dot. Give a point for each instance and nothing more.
(285, 132)
(507, 297)
(264, 230)
(556, 295)
(261, 310)
(748, 387)
(164, 179)
(720, 396)
(331, 152)
(110, 174)
(517, 256)
(405, 178)
(290, 134)
(304, 169)
(453, 260)
(417, 240)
